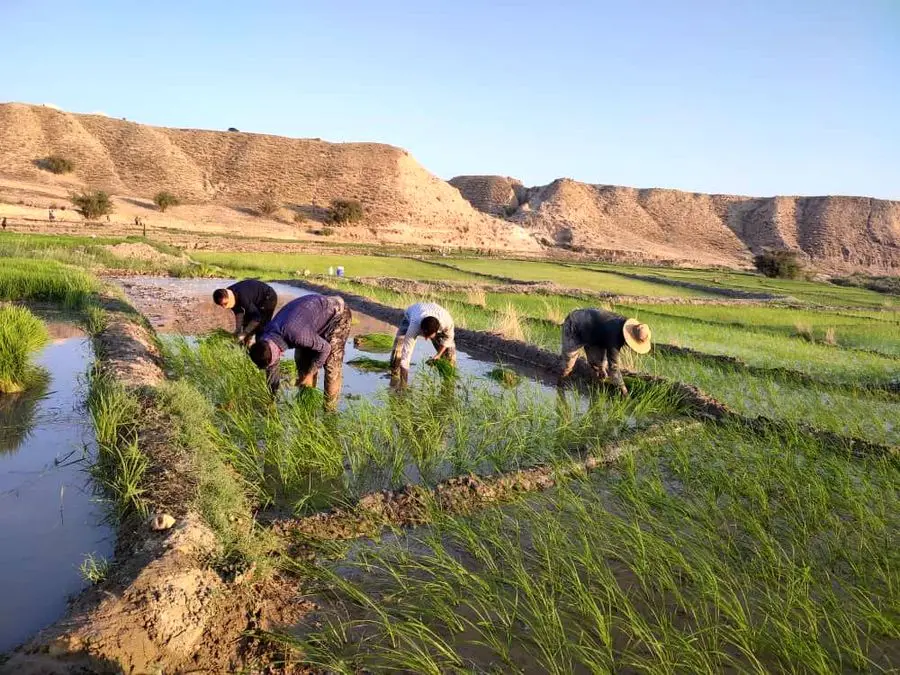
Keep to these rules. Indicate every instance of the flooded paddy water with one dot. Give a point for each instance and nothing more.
(49, 517)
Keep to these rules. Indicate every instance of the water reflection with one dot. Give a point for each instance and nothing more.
(18, 413)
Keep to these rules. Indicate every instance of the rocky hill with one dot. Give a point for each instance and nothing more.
(220, 176)
(833, 233)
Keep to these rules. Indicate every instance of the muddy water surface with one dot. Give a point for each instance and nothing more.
(49, 518)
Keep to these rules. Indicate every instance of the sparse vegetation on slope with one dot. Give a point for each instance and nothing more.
(92, 204)
(345, 212)
(164, 200)
(56, 164)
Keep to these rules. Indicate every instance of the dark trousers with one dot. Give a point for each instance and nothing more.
(334, 365)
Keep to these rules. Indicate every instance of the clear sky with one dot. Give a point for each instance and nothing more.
(748, 96)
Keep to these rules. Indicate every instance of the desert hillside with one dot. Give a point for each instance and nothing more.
(233, 169)
(220, 177)
(834, 233)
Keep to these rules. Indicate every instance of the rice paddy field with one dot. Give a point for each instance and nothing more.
(482, 520)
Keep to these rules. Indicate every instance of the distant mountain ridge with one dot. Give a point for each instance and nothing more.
(231, 170)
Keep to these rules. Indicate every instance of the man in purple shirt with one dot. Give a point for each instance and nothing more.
(316, 327)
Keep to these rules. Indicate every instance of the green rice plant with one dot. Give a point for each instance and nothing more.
(94, 569)
(444, 368)
(95, 319)
(21, 334)
(375, 343)
(26, 279)
(367, 365)
(292, 454)
(119, 465)
(709, 551)
(507, 377)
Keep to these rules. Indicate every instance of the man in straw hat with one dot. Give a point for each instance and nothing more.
(602, 334)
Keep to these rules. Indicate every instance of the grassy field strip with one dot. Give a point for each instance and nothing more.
(856, 416)
(21, 335)
(816, 293)
(291, 264)
(572, 277)
(707, 552)
(826, 328)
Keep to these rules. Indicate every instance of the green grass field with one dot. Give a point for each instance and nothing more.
(292, 264)
(572, 277)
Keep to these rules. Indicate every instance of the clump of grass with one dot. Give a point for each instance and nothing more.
(309, 399)
(477, 297)
(804, 331)
(505, 376)
(95, 319)
(553, 312)
(369, 365)
(830, 336)
(508, 323)
(376, 343)
(120, 465)
(94, 568)
(21, 334)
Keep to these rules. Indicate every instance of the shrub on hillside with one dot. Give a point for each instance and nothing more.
(345, 211)
(268, 202)
(56, 164)
(299, 218)
(164, 200)
(92, 203)
(781, 264)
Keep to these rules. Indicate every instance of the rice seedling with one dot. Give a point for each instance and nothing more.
(26, 279)
(369, 365)
(94, 568)
(505, 376)
(553, 312)
(294, 454)
(830, 336)
(707, 552)
(119, 465)
(375, 343)
(21, 334)
(444, 368)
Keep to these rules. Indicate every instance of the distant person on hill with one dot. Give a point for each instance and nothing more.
(432, 322)
(602, 334)
(51, 216)
(253, 303)
(316, 327)
(4, 222)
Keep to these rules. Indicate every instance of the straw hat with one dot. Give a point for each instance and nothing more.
(637, 335)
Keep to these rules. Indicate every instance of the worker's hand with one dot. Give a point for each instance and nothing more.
(241, 338)
(623, 390)
(308, 380)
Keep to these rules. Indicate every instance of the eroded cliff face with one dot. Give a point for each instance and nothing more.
(833, 233)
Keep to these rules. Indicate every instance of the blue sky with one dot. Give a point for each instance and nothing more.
(754, 97)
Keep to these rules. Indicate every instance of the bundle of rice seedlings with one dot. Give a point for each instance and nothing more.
(376, 343)
(369, 365)
(505, 376)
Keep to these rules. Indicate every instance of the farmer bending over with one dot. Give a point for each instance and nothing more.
(253, 303)
(316, 328)
(432, 322)
(602, 334)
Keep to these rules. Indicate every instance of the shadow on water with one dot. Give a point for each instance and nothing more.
(49, 519)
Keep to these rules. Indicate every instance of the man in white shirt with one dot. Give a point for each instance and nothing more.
(432, 322)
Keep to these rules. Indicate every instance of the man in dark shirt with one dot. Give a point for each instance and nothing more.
(316, 327)
(253, 303)
(602, 334)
